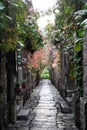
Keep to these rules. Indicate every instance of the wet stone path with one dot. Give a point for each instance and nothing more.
(46, 109)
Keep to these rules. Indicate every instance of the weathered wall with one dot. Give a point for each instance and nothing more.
(54, 76)
(83, 100)
(32, 80)
(66, 85)
(54, 72)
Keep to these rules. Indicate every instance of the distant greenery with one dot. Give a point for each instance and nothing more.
(45, 74)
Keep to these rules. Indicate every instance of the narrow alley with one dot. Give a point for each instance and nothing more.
(44, 110)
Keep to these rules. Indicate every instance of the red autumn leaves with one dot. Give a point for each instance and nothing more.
(41, 58)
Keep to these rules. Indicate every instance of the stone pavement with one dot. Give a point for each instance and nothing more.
(46, 110)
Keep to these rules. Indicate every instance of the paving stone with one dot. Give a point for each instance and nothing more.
(46, 111)
(23, 128)
(40, 128)
(66, 121)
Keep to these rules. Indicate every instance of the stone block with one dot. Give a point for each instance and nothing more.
(65, 108)
(23, 114)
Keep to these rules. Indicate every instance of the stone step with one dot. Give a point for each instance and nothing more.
(42, 128)
(23, 114)
(43, 125)
(66, 121)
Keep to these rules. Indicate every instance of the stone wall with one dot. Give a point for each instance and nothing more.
(66, 85)
(32, 79)
(63, 75)
(54, 72)
(83, 100)
(60, 75)
(85, 68)
(54, 76)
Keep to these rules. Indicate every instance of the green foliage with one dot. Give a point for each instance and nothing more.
(17, 24)
(81, 17)
(49, 29)
(9, 36)
(78, 45)
(29, 34)
(45, 74)
(70, 28)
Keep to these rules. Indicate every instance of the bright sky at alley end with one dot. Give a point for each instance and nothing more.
(44, 5)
